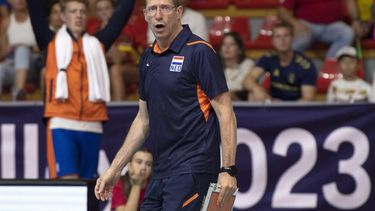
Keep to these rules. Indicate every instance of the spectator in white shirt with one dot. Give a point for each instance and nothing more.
(349, 88)
(18, 50)
(236, 65)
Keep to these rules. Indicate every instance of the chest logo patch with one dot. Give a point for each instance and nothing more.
(176, 64)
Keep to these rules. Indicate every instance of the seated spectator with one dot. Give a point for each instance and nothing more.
(104, 10)
(323, 21)
(122, 73)
(236, 65)
(128, 193)
(91, 10)
(293, 75)
(55, 22)
(54, 15)
(366, 9)
(349, 88)
(195, 20)
(18, 49)
(4, 10)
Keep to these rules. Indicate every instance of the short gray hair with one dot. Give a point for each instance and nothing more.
(176, 3)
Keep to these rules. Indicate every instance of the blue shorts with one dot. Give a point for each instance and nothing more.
(76, 152)
(181, 192)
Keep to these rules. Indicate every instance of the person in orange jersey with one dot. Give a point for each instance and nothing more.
(77, 85)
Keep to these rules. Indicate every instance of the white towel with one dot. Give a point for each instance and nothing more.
(97, 70)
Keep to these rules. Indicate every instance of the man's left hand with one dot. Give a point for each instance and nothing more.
(228, 185)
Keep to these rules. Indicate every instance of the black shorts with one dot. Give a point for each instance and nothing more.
(180, 192)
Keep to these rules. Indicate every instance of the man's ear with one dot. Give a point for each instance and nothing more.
(145, 15)
(180, 11)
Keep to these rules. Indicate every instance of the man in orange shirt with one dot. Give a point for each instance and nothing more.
(77, 85)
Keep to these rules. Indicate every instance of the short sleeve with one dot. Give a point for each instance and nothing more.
(310, 75)
(371, 94)
(264, 63)
(118, 198)
(142, 75)
(209, 71)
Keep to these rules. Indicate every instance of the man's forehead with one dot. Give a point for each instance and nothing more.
(280, 30)
(75, 5)
(104, 2)
(14, 1)
(158, 2)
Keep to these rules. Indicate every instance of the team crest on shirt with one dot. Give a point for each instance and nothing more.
(176, 64)
(292, 78)
(276, 73)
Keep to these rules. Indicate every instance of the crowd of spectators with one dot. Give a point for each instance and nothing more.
(291, 75)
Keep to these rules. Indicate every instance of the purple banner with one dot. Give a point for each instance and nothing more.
(290, 157)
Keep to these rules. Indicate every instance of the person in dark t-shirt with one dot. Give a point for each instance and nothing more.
(186, 111)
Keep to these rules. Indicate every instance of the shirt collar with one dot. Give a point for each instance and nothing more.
(177, 43)
(71, 34)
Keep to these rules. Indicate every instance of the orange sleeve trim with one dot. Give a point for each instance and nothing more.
(187, 202)
(201, 42)
(50, 154)
(204, 102)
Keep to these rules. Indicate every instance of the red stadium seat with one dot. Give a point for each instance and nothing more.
(257, 3)
(368, 44)
(263, 40)
(330, 71)
(208, 4)
(223, 24)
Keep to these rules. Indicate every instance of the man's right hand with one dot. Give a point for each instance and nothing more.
(105, 183)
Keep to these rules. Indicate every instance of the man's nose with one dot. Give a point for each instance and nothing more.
(158, 14)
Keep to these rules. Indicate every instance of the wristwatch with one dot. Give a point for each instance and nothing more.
(231, 170)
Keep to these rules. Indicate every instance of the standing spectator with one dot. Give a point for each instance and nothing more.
(293, 76)
(236, 65)
(129, 192)
(349, 88)
(186, 110)
(19, 49)
(323, 21)
(195, 20)
(77, 85)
